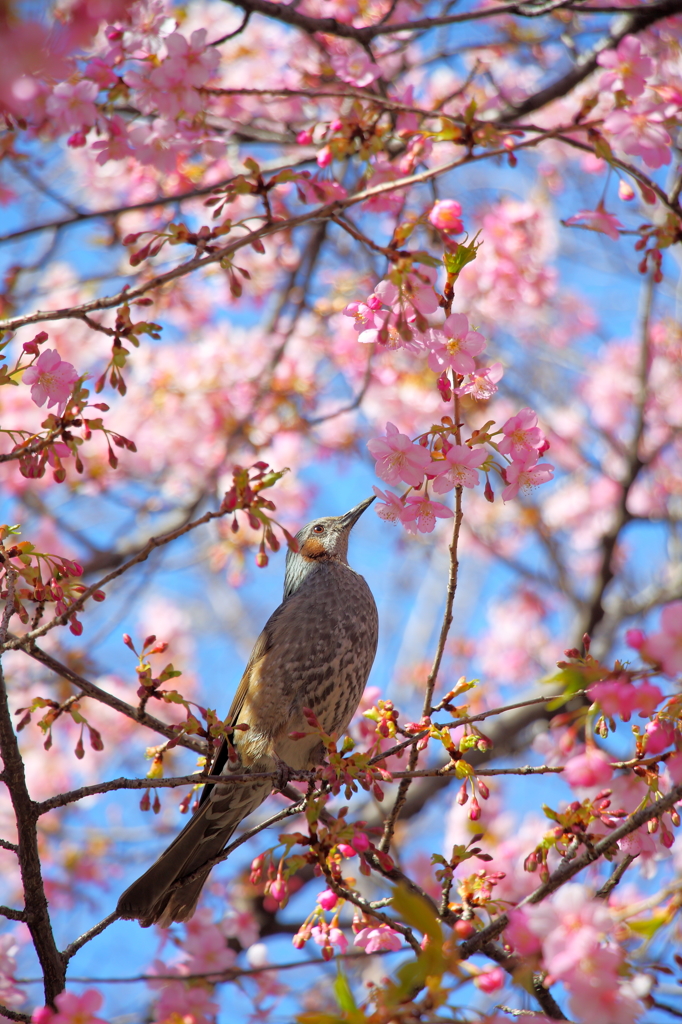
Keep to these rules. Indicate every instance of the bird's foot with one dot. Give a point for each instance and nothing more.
(285, 774)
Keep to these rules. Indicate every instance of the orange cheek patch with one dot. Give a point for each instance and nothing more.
(313, 548)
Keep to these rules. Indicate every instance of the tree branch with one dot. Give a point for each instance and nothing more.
(92, 690)
(35, 913)
(571, 868)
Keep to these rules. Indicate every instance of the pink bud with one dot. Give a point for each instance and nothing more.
(347, 851)
(278, 890)
(635, 638)
(336, 125)
(324, 157)
(445, 216)
(128, 642)
(490, 981)
(360, 842)
(327, 899)
(625, 191)
(304, 138)
(463, 929)
(474, 810)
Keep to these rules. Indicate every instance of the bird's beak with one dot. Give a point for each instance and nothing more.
(350, 518)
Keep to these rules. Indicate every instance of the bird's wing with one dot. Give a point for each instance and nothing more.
(260, 649)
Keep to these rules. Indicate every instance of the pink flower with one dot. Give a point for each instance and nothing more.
(72, 1009)
(482, 383)
(421, 514)
(158, 144)
(522, 434)
(356, 68)
(458, 468)
(660, 735)
(399, 459)
(598, 220)
(97, 70)
(327, 899)
(638, 130)
(629, 67)
(615, 697)
(380, 937)
(117, 146)
(454, 345)
(390, 507)
(589, 769)
(665, 647)
(51, 378)
(190, 62)
(445, 216)
(328, 937)
(519, 934)
(72, 106)
(524, 474)
(490, 981)
(648, 698)
(179, 1001)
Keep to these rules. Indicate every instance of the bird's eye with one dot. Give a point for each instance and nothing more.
(318, 529)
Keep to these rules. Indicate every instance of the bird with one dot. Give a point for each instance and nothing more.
(315, 652)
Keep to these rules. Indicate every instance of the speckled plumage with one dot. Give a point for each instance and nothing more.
(316, 651)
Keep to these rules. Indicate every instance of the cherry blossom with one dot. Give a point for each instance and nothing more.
(598, 220)
(592, 768)
(458, 468)
(10, 994)
(524, 474)
(621, 697)
(629, 67)
(328, 936)
(482, 383)
(665, 647)
(71, 106)
(420, 513)
(453, 345)
(445, 215)
(389, 506)
(398, 458)
(638, 131)
(51, 379)
(521, 435)
(72, 1009)
(355, 67)
(379, 937)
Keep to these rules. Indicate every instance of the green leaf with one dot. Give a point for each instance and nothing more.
(456, 261)
(416, 912)
(342, 991)
(426, 258)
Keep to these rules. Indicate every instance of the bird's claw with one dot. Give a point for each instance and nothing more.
(285, 774)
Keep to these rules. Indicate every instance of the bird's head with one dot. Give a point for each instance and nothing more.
(322, 540)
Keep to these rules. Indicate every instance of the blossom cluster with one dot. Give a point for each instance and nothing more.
(437, 462)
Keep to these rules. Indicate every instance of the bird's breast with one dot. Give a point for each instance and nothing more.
(322, 644)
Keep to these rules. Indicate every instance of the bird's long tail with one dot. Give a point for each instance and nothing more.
(154, 897)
